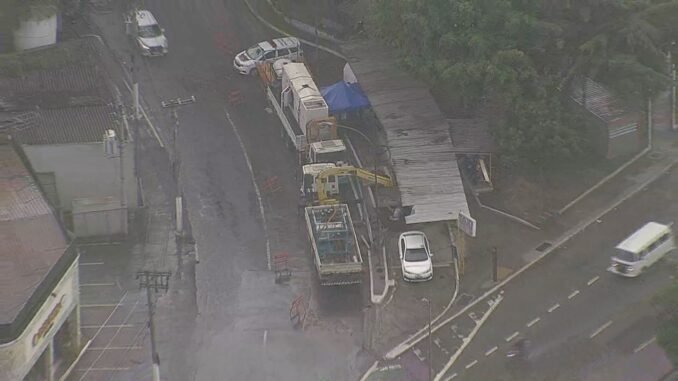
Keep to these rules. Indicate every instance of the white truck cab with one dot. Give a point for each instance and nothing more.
(148, 35)
(246, 61)
(327, 151)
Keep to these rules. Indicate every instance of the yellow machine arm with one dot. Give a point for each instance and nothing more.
(362, 174)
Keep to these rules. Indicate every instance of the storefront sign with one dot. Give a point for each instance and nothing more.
(48, 323)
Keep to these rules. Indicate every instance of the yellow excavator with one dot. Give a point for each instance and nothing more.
(323, 182)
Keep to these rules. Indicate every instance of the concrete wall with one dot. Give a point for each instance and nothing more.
(35, 33)
(83, 170)
(18, 357)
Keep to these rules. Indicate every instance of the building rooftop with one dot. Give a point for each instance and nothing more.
(59, 94)
(417, 133)
(33, 244)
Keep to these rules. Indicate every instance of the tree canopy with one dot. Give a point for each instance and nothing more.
(522, 54)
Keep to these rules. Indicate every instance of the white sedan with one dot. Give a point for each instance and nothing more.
(415, 256)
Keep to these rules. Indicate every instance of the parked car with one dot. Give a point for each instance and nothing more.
(415, 256)
(246, 61)
(147, 34)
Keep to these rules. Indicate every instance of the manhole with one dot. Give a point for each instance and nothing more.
(543, 246)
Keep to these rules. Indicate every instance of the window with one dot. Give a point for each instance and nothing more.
(283, 52)
(293, 50)
(269, 55)
(149, 31)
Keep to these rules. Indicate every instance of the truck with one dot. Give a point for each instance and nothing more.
(334, 244)
(302, 111)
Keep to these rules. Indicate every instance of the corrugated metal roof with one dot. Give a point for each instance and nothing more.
(66, 125)
(599, 101)
(32, 240)
(417, 132)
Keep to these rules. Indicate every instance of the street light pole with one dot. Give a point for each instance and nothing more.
(430, 340)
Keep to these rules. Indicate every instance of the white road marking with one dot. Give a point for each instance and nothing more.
(533, 322)
(513, 336)
(471, 364)
(644, 345)
(97, 284)
(128, 348)
(593, 280)
(601, 329)
(256, 187)
(98, 305)
(573, 294)
(420, 356)
(265, 337)
(492, 350)
(110, 326)
(554, 307)
(90, 263)
(102, 369)
(451, 377)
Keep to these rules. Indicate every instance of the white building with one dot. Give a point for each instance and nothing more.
(39, 293)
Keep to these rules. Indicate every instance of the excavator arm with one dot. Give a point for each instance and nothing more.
(363, 174)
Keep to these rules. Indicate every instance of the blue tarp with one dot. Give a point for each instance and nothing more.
(344, 97)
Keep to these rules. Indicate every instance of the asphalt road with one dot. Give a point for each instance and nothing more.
(582, 321)
(242, 330)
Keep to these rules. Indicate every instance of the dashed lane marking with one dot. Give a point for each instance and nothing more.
(554, 307)
(492, 350)
(601, 329)
(265, 337)
(513, 336)
(471, 364)
(593, 280)
(451, 377)
(533, 322)
(91, 263)
(573, 294)
(644, 345)
(420, 356)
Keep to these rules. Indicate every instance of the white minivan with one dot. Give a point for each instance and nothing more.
(642, 249)
(246, 61)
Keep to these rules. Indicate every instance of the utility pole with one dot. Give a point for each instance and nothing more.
(176, 162)
(430, 340)
(155, 280)
(495, 264)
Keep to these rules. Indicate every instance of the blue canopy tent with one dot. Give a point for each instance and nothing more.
(343, 97)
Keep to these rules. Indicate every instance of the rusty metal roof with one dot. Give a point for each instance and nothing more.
(417, 133)
(32, 239)
(599, 101)
(471, 136)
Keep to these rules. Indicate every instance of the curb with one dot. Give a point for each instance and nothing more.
(275, 28)
(414, 339)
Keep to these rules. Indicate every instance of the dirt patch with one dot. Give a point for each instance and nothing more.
(534, 196)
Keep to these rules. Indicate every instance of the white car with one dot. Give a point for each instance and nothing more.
(148, 35)
(415, 256)
(289, 48)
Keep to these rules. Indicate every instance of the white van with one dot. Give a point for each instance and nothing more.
(642, 249)
(246, 61)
